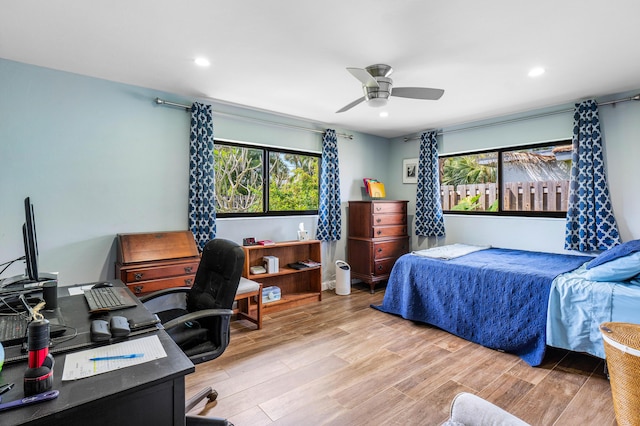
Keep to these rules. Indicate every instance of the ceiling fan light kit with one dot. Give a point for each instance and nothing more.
(377, 102)
(378, 96)
(377, 87)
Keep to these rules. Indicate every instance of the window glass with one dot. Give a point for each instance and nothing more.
(245, 185)
(536, 179)
(238, 175)
(531, 180)
(293, 182)
(469, 182)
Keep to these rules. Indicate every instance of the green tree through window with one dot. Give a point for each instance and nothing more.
(247, 186)
(293, 182)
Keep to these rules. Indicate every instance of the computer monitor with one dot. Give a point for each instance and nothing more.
(30, 242)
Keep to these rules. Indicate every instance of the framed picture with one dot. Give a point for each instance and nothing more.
(410, 170)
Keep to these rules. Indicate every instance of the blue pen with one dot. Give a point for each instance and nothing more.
(109, 358)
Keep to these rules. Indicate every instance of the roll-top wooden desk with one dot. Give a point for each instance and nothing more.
(152, 261)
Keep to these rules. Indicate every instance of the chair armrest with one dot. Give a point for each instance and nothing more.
(194, 316)
(164, 292)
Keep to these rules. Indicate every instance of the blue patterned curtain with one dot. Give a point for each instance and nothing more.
(429, 219)
(202, 208)
(590, 221)
(329, 215)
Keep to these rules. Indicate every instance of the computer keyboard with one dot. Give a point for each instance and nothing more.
(12, 328)
(108, 299)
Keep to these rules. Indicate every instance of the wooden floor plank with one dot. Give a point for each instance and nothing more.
(340, 362)
(385, 407)
(592, 402)
(432, 408)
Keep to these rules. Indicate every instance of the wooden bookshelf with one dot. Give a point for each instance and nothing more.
(297, 286)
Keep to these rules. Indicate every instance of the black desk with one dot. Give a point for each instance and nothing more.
(148, 393)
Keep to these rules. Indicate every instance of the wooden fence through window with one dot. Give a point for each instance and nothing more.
(547, 196)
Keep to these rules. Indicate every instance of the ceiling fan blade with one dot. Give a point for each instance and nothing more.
(364, 77)
(417, 93)
(351, 105)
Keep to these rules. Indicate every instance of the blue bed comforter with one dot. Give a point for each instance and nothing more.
(496, 297)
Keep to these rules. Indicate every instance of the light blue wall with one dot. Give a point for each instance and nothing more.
(621, 128)
(100, 158)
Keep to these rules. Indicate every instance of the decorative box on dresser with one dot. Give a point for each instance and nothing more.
(152, 261)
(377, 237)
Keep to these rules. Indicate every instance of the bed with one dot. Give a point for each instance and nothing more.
(501, 298)
(578, 305)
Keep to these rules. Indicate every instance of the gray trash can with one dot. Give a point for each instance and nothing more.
(343, 278)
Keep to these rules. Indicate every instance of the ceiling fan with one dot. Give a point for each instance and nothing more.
(377, 87)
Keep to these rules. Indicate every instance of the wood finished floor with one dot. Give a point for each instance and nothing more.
(340, 362)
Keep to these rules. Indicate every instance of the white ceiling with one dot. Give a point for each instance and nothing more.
(289, 56)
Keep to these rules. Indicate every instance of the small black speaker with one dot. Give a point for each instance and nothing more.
(50, 295)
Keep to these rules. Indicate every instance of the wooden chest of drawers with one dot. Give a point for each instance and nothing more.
(152, 261)
(377, 237)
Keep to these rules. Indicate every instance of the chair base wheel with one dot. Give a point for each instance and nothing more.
(212, 396)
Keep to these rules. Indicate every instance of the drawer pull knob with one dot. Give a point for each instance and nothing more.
(188, 282)
(379, 232)
(188, 269)
(138, 276)
(379, 267)
(378, 220)
(379, 250)
(137, 289)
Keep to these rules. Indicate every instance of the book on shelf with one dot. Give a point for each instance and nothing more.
(297, 265)
(375, 188)
(271, 264)
(303, 264)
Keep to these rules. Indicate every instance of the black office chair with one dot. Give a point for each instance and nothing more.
(196, 420)
(198, 318)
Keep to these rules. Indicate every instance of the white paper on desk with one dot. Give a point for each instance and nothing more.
(73, 291)
(77, 365)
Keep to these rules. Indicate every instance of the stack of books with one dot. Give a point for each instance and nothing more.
(271, 264)
(303, 264)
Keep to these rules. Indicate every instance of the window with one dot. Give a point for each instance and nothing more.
(261, 181)
(522, 181)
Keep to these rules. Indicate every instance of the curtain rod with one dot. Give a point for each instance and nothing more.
(530, 117)
(271, 123)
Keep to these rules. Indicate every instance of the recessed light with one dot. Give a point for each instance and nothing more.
(384, 114)
(536, 72)
(202, 62)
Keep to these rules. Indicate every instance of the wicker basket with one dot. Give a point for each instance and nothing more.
(622, 349)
